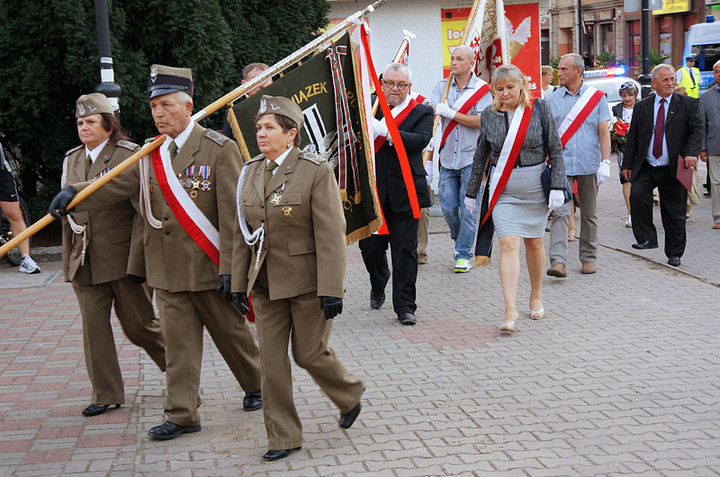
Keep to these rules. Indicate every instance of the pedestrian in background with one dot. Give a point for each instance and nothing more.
(521, 211)
(624, 111)
(581, 114)
(710, 149)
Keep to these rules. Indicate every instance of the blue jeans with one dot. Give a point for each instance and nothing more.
(463, 225)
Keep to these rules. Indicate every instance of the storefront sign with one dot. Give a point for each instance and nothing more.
(673, 6)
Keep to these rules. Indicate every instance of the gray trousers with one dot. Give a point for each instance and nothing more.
(587, 191)
(713, 165)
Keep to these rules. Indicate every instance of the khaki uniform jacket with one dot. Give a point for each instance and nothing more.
(304, 248)
(113, 233)
(174, 261)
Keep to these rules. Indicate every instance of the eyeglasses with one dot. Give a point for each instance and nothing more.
(400, 86)
(628, 85)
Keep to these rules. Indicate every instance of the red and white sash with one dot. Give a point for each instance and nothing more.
(463, 104)
(399, 113)
(417, 97)
(579, 113)
(200, 229)
(508, 155)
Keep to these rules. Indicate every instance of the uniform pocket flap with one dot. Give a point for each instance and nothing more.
(291, 198)
(302, 246)
(118, 235)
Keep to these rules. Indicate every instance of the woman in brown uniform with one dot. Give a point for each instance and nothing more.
(290, 252)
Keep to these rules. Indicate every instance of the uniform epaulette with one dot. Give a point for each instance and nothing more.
(256, 158)
(311, 156)
(127, 144)
(216, 136)
(76, 148)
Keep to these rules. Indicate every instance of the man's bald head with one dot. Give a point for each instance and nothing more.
(462, 62)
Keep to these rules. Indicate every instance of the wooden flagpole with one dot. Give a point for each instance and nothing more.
(277, 68)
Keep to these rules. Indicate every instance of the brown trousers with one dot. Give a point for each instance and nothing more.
(301, 319)
(182, 317)
(133, 307)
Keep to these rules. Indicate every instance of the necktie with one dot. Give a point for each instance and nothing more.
(692, 77)
(172, 149)
(269, 172)
(659, 130)
(88, 165)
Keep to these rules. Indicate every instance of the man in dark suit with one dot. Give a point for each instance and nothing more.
(665, 128)
(415, 122)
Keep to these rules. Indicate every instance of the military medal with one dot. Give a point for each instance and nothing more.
(275, 198)
(287, 212)
(205, 185)
(193, 194)
(187, 183)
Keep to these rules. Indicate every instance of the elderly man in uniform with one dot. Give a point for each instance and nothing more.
(415, 124)
(187, 192)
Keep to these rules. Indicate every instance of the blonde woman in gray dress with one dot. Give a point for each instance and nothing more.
(516, 136)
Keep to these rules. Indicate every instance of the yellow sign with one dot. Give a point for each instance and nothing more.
(673, 6)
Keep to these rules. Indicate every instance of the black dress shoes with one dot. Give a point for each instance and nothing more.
(376, 301)
(407, 319)
(347, 419)
(674, 261)
(96, 410)
(252, 401)
(273, 455)
(645, 245)
(169, 430)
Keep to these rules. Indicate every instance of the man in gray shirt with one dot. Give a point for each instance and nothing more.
(467, 97)
(581, 114)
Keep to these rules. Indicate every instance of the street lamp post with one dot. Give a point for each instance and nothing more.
(644, 79)
(107, 85)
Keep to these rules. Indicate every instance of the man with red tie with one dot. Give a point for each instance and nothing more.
(665, 129)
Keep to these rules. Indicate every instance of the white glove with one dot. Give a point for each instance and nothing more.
(603, 172)
(470, 204)
(556, 199)
(444, 110)
(431, 145)
(379, 128)
(429, 171)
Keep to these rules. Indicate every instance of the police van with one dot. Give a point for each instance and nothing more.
(703, 41)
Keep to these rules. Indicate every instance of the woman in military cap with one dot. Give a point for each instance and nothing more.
(100, 250)
(290, 252)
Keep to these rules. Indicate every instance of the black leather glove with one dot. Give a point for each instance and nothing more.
(137, 279)
(58, 206)
(240, 300)
(224, 286)
(331, 306)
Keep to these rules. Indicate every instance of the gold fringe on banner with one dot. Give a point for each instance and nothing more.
(482, 261)
(239, 138)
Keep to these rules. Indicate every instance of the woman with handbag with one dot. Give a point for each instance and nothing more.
(516, 135)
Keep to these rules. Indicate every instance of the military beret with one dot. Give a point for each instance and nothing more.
(93, 103)
(167, 79)
(281, 106)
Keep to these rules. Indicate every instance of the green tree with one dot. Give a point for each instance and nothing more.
(48, 53)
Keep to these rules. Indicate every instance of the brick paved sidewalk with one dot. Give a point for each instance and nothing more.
(620, 378)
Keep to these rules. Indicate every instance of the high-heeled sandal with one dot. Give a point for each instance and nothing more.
(509, 325)
(537, 314)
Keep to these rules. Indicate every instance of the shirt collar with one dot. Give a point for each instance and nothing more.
(471, 83)
(96, 152)
(580, 90)
(181, 138)
(658, 98)
(279, 160)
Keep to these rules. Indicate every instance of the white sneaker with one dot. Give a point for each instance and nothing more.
(28, 265)
(462, 265)
(628, 222)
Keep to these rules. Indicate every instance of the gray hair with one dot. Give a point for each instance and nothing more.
(183, 97)
(465, 49)
(578, 61)
(399, 67)
(717, 63)
(662, 66)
